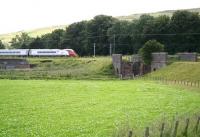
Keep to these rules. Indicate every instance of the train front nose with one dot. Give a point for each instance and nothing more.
(72, 53)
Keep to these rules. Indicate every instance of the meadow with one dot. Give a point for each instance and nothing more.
(88, 108)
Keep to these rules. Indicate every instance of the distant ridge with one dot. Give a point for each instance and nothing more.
(6, 38)
(155, 14)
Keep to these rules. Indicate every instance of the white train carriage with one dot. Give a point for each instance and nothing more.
(48, 52)
(14, 52)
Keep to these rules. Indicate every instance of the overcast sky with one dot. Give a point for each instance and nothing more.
(18, 15)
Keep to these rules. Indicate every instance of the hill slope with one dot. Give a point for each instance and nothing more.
(155, 14)
(6, 38)
(188, 71)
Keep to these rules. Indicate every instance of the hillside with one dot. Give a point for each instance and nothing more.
(6, 38)
(155, 14)
(187, 71)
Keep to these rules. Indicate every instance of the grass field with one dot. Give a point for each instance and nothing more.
(187, 71)
(87, 108)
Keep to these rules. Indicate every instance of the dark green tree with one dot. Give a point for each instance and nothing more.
(37, 43)
(148, 48)
(184, 24)
(21, 41)
(121, 31)
(144, 25)
(2, 46)
(76, 37)
(97, 33)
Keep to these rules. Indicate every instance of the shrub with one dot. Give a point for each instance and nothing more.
(148, 48)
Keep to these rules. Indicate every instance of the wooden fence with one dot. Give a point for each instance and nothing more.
(169, 81)
(175, 132)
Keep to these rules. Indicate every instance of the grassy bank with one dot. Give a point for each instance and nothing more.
(63, 68)
(87, 108)
(186, 71)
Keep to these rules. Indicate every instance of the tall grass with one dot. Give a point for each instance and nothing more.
(63, 68)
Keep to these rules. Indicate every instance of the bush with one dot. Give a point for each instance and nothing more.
(148, 48)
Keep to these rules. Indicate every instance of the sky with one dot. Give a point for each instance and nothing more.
(19, 15)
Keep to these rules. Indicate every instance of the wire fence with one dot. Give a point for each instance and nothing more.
(178, 128)
(170, 81)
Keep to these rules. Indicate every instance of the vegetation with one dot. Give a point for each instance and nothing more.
(148, 48)
(6, 38)
(179, 33)
(63, 68)
(155, 14)
(187, 71)
(21, 42)
(87, 108)
(176, 126)
(2, 46)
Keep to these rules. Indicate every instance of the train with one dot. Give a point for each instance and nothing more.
(38, 52)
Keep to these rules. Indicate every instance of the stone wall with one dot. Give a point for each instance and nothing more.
(127, 69)
(122, 68)
(159, 60)
(136, 67)
(14, 64)
(187, 56)
(117, 63)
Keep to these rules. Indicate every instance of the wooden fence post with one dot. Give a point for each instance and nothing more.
(175, 129)
(130, 133)
(146, 134)
(185, 132)
(197, 124)
(162, 129)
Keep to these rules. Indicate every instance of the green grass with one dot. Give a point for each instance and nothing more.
(87, 108)
(64, 68)
(187, 71)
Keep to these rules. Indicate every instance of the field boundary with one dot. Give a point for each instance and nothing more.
(169, 81)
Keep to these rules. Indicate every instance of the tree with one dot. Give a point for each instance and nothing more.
(97, 31)
(75, 37)
(37, 43)
(52, 40)
(144, 25)
(121, 30)
(2, 46)
(185, 24)
(148, 48)
(21, 41)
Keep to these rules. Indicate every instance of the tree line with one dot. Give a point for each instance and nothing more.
(178, 33)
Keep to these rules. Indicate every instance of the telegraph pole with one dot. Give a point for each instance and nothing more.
(94, 49)
(114, 44)
(110, 49)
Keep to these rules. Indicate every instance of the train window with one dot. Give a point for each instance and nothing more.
(46, 52)
(9, 52)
